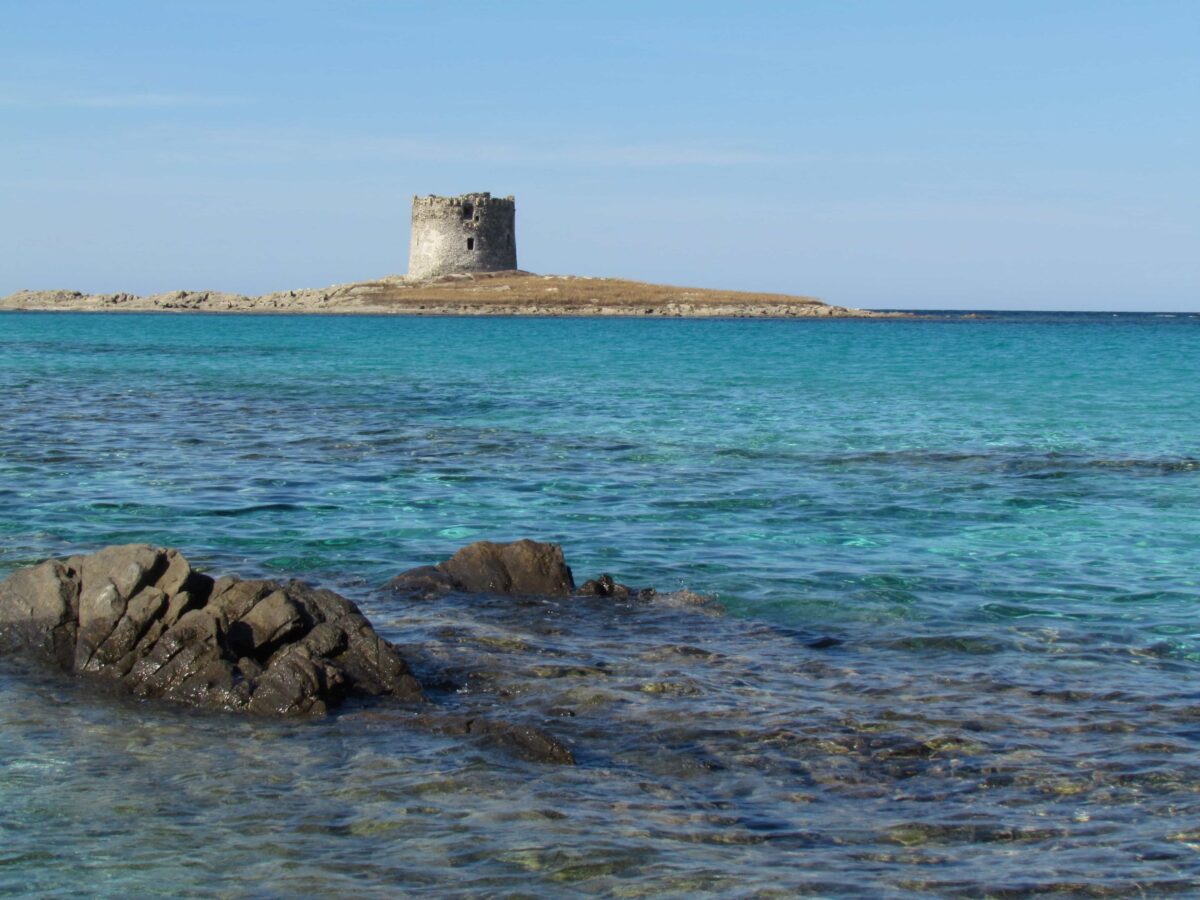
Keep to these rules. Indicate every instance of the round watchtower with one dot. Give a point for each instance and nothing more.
(471, 233)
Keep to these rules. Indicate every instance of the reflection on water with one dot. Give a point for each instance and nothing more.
(958, 562)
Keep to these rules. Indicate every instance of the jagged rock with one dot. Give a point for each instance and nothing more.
(139, 616)
(525, 567)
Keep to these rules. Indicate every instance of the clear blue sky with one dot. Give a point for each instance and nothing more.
(887, 154)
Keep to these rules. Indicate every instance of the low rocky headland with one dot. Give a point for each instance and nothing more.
(489, 294)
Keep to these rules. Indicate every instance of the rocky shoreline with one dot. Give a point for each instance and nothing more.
(487, 294)
(141, 620)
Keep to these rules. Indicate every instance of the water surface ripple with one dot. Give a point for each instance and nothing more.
(956, 560)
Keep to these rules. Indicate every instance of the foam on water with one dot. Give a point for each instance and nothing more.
(959, 558)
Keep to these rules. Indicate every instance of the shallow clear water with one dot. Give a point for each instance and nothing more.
(994, 519)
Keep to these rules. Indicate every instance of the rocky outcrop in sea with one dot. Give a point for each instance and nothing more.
(140, 619)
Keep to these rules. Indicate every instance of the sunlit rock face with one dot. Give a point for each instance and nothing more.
(525, 567)
(142, 618)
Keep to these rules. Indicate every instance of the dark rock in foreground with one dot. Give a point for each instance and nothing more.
(524, 567)
(140, 617)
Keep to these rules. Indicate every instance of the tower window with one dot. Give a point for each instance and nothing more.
(468, 210)
(470, 243)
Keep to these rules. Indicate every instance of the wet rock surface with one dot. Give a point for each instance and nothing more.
(525, 567)
(142, 618)
(521, 568)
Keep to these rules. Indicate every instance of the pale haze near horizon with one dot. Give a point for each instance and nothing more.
(887, 155)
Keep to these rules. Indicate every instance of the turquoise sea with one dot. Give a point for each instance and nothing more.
(953, 645)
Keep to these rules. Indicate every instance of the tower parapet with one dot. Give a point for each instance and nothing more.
(468, 233)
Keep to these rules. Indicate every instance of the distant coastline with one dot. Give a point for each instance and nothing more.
(511, 293)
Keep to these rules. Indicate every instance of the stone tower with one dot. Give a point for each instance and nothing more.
(471, 233)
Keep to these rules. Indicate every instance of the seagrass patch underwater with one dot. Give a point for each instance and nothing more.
(953, 645)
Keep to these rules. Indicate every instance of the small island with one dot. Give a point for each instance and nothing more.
(511, 293)
(462, 262)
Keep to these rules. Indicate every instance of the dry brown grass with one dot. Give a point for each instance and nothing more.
(508, 288)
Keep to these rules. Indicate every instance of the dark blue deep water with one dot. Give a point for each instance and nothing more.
(953, 645)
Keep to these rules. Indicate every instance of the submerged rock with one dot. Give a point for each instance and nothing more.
(140, 617)
(527, 568)
(526, 741)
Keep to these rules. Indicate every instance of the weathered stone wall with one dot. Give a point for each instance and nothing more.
(471, 233)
